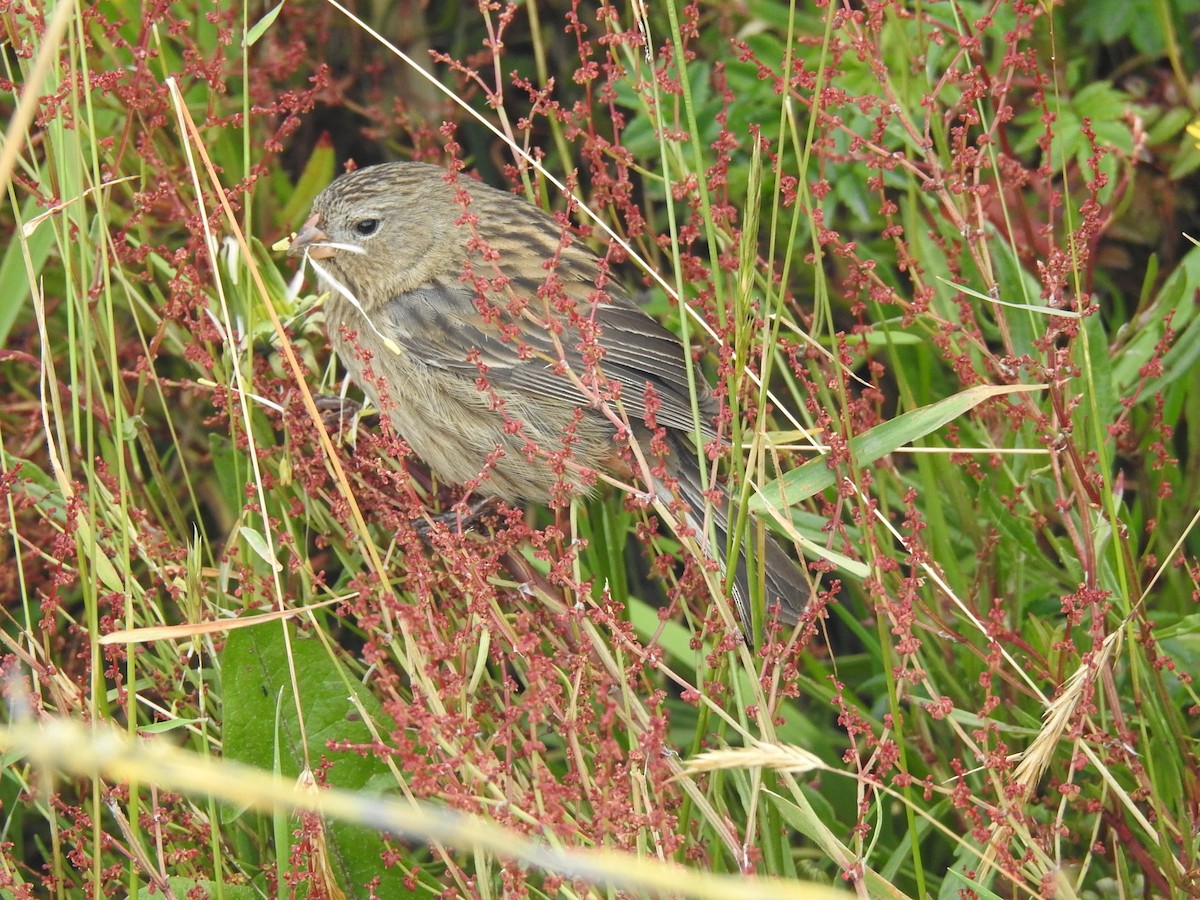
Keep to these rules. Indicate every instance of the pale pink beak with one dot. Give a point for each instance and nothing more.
(312, 239)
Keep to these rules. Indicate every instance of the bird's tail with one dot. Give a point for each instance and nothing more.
(785, 585)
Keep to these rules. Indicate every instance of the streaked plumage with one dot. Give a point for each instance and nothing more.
(474, 321)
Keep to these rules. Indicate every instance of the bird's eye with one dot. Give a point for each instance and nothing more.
(366, 227)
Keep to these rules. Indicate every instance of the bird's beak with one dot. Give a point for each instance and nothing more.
(312, 240)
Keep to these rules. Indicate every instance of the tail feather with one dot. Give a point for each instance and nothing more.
(785, 585)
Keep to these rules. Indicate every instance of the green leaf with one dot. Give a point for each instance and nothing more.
(318, 172)
(957, 884)
(806, 821)
(259, 28)
(1169, 125)
(230, 470)
(257, 666)
(816, 476)
(261, 548)
(1100, 102)
(167, 726)
(183, 887)
(14, 280)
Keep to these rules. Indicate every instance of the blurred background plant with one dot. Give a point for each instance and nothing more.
(872, 209)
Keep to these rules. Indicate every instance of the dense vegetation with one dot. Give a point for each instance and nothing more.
(934, 257)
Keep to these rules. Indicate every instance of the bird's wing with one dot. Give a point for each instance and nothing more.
(439, 325)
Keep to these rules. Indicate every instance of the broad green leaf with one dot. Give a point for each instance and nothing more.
(256, 667)
(261, 729)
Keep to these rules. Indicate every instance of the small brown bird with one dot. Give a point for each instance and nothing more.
(477, 324)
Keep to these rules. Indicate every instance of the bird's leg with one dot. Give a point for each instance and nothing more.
(463, 516)
(341, 415)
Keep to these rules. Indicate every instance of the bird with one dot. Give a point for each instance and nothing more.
(504, 355)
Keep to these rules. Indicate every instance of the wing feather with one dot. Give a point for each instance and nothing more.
(439, 325)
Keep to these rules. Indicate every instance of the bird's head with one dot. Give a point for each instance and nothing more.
(384, 230)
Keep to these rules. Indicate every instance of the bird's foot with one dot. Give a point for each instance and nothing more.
(465, 516)
(341, 415)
